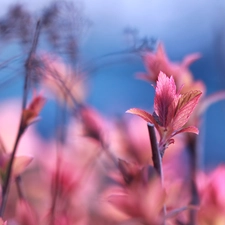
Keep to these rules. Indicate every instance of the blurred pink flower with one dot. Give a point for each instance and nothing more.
(25, 214)
(158, 61)
(129, 140)
(62, 80)
(212, 197)
(2, 222)
(142, 198)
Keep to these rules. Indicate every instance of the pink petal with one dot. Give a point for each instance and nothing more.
(185, 107)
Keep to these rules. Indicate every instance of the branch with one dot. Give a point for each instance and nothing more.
(193, 159)
(28, 65)
(156, 158)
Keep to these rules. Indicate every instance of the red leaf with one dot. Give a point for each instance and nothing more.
(31, 113)
(190, 129)
(144, 115)
(37, 104)
(185, 107)
(165, 98)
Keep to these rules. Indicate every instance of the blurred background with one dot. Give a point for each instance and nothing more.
(110, 27)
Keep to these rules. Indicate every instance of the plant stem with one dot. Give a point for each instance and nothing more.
(19, 188)
(156, 158)
(28, 65)
(5, 187)
(193, 159)
(60, 141)
(55, 190)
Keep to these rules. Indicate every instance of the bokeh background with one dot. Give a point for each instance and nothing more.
(183, 26)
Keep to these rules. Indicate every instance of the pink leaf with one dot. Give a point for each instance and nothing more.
(188, 60)
(185, 107)
(20, 163)
(144, 76)
(144, 115)
(31, 113)
(209, 100)
(37, 104)
(164, 99)
(190, 129)
(126, 203)
(161, 53)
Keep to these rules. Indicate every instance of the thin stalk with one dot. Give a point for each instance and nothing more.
(28, 65)
(56, 189)
(19, 188)
(60, 140)
(156, 158)
(193, 159)
(5, 188)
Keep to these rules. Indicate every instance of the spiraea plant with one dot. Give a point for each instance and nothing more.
(171, 110)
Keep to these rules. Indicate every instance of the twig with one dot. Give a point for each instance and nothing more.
(67, 91)
(193, 159)
(175, 212)
(5, 187)
(60, 140)
(55, 191)
(28, 64)
(19, 188)
(156, 158)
